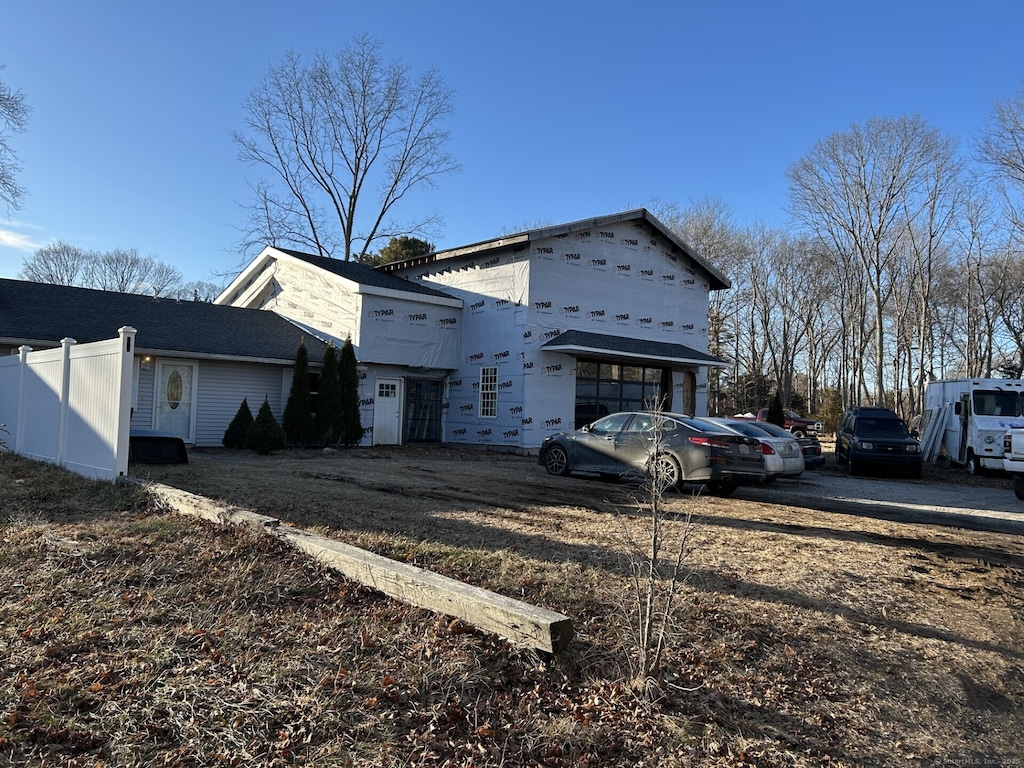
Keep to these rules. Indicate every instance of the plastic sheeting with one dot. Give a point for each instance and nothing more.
(617, 280)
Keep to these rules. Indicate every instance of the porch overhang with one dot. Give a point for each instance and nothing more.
(603, 346)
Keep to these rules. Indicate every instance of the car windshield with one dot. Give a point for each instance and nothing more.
(996, 402)
(872, 427)
(612, 423)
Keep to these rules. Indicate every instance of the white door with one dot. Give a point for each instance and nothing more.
(387, 412)
(175, 399)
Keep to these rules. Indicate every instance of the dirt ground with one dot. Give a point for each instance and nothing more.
(906, 625)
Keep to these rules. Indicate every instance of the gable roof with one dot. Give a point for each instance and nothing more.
(585, 344)
(247, 285)
(364, 274)
(717, 280)
(40, 315)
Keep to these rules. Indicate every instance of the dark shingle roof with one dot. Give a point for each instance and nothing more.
(364, 274)
(581, 341)
(39, 312)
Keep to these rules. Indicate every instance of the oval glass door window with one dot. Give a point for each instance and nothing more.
(174, 388)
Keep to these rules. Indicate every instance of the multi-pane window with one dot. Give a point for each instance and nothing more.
(489, 392)
(605, 387)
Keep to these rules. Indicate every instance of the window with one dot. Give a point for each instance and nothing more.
(603, 388)
(489, 392)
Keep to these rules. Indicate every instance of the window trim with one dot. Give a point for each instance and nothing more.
(488, 406)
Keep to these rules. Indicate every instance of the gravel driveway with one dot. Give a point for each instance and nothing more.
(960, 506)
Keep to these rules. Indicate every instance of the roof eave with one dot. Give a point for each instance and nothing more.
(598, 352)
(717, 282)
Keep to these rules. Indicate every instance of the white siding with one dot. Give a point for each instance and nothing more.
(223, 386)
(142, 415)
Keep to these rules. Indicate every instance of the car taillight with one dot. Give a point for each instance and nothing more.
(1008, 443)
(767, 450)
(710, 442)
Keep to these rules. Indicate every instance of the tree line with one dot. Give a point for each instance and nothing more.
(902, 264)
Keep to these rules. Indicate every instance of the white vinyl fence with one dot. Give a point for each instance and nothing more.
(71, 406)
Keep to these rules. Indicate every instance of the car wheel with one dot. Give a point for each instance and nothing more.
(799, 433)
(556, 460)
(974, 467)
(852, 467)
(915, 473)
(1018, 486)
(665, 469)
(723, 487)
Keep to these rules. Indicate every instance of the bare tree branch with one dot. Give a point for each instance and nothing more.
(333, 134)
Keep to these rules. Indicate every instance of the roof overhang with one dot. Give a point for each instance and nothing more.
(250, 283)
(716, 279)
(607, 347)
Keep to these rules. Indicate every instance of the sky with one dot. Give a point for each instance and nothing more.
(565, 110)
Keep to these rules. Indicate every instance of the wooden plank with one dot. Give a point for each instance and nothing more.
(521, 623)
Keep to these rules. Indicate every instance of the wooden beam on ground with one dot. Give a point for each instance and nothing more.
(521, 623)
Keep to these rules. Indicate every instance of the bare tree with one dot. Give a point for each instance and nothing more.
(658, 551)
(123, 270)
(331, 134)
(707, 226)
(1001, 147)
(14, 114)
(199, 290)
(59, 264)
(126, 271)
(780, 292)
(857, 191)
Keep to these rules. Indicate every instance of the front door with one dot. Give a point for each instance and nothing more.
(387, 412)
(175, 399)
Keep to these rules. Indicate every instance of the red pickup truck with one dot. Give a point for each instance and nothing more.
(795, 423)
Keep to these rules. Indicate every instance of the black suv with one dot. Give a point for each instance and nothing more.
(876, 438)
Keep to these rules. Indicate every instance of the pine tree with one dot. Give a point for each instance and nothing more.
(266, 435)
(328, 412)
(238, 430)
(351, 425)
(776, 414)
(298, 418)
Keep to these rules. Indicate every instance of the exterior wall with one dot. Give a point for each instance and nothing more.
(494, 319)
(221, 388)
(384, 329)
(143, 385)
(314, 299)
(620, 280)
(408, 333)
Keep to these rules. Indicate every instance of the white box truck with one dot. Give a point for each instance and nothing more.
(965, 420)
(1013, 458)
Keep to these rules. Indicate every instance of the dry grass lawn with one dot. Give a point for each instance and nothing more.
(134, 636)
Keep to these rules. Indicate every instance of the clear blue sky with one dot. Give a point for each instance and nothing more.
(565, 110)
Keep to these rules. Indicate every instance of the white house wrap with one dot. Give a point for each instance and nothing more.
(503, 342)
